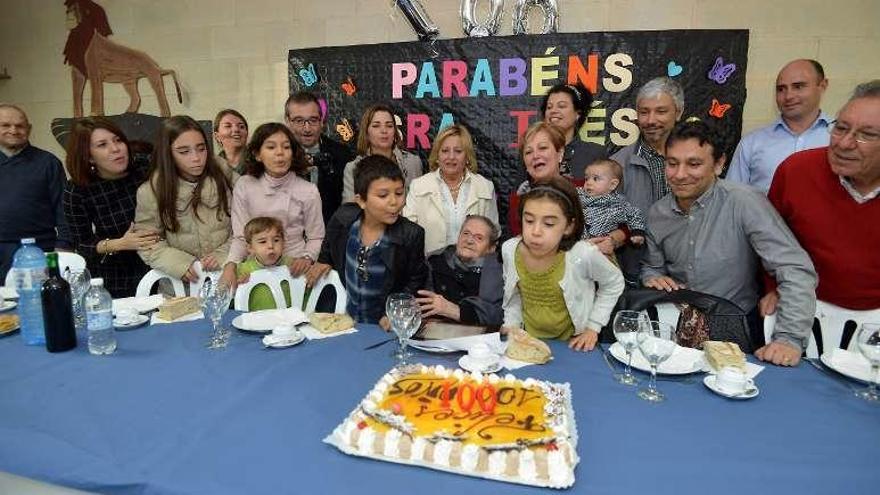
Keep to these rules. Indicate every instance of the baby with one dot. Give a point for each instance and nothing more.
(265, 247)
(604, 208)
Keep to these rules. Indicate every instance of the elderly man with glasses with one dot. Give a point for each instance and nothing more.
(829, 198)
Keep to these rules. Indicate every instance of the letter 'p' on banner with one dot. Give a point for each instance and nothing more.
(493, 85)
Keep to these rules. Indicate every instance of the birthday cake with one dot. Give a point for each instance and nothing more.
(502, 428)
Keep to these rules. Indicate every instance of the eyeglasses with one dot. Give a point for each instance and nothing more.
(862, 136)
(311, 122)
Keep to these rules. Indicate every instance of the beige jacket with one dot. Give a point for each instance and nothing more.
(196, 238)
(425, 206)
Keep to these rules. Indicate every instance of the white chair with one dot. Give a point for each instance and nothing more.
(65, 260)
(832, 320)
(272, 278)
(331, 279)
(152, 277)
(195, 287)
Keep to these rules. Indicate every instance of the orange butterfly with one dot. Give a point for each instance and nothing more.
(718, 109)
(349, 87)
(345, 131)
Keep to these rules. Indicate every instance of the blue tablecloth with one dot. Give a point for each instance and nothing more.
(166, 415)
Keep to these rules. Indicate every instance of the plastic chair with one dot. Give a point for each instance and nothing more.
(154, 276)
(272, 278)
(331, 279)
(195, 287)
(832, 321)
(66, 260)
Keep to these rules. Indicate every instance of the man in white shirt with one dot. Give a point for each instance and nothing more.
(801, 125)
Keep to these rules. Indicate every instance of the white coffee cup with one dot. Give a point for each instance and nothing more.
(126, 315)
(732, 380)
(285, 330)
(481, 355)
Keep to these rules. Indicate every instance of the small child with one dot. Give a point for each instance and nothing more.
(604, 208)
(375, 250)
(265, 247)
(551, 276)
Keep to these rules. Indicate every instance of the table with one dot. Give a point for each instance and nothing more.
(164, 415)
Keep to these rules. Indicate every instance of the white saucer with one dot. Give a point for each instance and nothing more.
(709, 382)
(7, 305)
(136, 322)
(467, 365)
(282, 342)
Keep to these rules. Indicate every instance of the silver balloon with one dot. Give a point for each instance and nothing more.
(476, 29)
(521, 16)
(418, 18)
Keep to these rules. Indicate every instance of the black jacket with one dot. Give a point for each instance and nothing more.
(477, 293)
(405, 261)
(331, 162)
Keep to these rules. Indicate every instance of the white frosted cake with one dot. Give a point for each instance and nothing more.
(520, 431)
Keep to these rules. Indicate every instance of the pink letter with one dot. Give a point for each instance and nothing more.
(454, 74)
(522, 123)
(417, 125)
(401, 75)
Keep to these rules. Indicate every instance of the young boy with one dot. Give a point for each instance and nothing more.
(604, 208)
(375, 250)
(265, 246)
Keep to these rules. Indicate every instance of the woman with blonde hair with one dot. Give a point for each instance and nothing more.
(378, 135)
(440, 200)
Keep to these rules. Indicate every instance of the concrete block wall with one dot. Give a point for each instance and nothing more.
(233, 53)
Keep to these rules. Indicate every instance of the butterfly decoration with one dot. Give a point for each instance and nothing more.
(345, 131)
(349, 87)
(720, 72)
(308, 75)
(718, 109)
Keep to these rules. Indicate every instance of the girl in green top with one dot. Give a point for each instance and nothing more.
(265, 244)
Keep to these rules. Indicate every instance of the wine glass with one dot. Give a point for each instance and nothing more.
(79, 280)
(626, 330)
(405, 317)
(868, 339)
(215, 304)
(656, 340)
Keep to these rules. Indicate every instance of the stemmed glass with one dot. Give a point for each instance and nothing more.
(626, 329)
(405, 317)
(656, 340)
(79, 280)
(868, 339)
(215, 302)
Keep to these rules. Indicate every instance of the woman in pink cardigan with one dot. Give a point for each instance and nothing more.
(271, 188)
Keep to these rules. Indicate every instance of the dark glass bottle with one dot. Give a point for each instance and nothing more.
(57, 309)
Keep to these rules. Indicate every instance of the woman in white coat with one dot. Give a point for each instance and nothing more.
(440, 200)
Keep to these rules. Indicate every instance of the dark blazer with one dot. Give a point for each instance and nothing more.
(405, 261)
(331, 162)
(478, 294)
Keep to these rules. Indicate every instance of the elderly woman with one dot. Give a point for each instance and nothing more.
(566, 106)
(378, 135)
(466, 278)
(231, 133)
(542, 149)
(99, 203)
(440, 200)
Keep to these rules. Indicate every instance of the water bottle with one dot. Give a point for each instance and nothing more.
(99, 318)
(29, 265)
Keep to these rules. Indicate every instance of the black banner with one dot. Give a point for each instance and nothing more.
(493, 85)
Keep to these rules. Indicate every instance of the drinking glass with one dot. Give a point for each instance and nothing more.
(405, 318)
(868, 339)
(656, 340)
(626, 331)
(79, 280)
(215, 303)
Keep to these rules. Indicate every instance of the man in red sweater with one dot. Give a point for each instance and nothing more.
(829, 198)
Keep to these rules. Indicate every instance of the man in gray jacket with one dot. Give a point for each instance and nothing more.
(659, 105)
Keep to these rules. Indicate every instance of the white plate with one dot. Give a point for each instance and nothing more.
(139, 320)
(750, 392)
(848, 363)
(467, 365)
(282, 342)
(238, 322)
(683, 361)
(7, 305)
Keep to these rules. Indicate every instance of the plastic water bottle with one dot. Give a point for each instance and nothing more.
(99, 318)
(29, 265)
